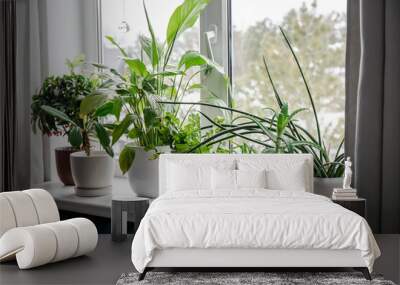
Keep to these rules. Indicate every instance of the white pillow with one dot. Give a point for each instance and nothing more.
(292, 179)
(251, 178)
(223, 179)
(188, 177)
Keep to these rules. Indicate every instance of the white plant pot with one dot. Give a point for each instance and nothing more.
(324, 186)
(93, 175)
(143, 174)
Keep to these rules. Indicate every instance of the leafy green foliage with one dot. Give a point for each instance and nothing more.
(64, 94)
(152, 78)
(72, 103)
(279, 132)
(76, 62)
(151, 47)
(75, 137)
(183, 18)
(121, 128)
(126, 157)
(104, 138)
(189, 135)
(91, 103)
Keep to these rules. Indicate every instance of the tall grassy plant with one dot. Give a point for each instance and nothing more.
(272, 131)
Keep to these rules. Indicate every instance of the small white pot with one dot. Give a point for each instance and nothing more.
(324, 186)
(93, 175)
(143, 174)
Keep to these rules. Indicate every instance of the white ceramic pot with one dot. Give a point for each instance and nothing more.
(143, 174)
(324, 186)
(93, 175)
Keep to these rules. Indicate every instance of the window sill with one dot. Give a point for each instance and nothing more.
(97, 206)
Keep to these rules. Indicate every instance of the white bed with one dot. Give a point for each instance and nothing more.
(282, 224)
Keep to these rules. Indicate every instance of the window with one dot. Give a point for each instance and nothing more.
(317, 31)
(125, 21)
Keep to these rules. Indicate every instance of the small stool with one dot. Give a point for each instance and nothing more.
(124, 208)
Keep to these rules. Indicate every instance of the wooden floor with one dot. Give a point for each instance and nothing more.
(110, 260)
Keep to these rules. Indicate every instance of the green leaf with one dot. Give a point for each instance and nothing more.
(105, 109)
(150, 117)
(117, 107)
(183, 18)
(168, 73)
(134, 133)
(195, 86)
(75, 137)
(192, 58)
(75, 62)
(292, 115)
(104, 138)
(126, 158)
(90, 103)
(285, 109)
(154, 46)
(120, 129)
(56, 113)
(111, 39)
(136, 66)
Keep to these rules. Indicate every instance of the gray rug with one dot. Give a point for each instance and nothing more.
(269, 278)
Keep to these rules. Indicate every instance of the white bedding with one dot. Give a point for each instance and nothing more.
(251, 218)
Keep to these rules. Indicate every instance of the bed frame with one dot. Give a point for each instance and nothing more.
(240, 259)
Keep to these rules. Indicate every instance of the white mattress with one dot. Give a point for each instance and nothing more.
(251, 219)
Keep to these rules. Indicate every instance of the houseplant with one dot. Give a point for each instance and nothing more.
(152, 127)
(92, 170)
(327, 171)
(65, 94)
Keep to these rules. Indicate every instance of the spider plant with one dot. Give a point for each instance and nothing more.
(152, 77)
(278, 129)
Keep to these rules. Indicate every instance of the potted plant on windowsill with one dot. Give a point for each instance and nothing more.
(63, 93)
(149, 126)
(293, 138)
(92, 170)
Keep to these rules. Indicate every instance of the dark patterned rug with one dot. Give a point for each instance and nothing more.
(269, 278)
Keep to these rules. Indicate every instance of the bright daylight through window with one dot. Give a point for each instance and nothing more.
(316, 29)
(125, 20)
(317, 32)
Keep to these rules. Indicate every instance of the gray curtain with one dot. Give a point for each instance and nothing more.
(375, 114)
(353, 49)
(7, 93)
(22, 153)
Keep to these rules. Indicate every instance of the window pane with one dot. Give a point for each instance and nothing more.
(317, 31)
(125, 20)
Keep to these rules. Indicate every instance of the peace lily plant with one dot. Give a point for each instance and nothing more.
(154, 77)
(133, 100)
